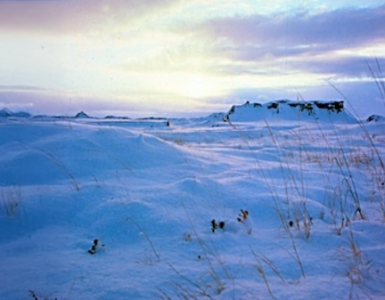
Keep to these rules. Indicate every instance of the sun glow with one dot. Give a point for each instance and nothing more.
(197, 86)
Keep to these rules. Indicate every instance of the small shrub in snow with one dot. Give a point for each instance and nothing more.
(307, 223)
(243, 215)
(245, 219)
(187, 237)
(95, 247)
(215, 225)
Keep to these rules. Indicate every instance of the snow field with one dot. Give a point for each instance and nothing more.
(148, 194)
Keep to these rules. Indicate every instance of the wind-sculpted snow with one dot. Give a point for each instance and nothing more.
(40, 153)
(124, 209)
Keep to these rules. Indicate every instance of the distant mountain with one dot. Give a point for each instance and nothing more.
(6, 113)
(81, 115)
(290, 110)
(116, 117)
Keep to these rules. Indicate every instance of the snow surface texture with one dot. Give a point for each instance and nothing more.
(122, 209)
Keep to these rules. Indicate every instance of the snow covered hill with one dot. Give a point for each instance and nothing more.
(156, 209)
(332, 111)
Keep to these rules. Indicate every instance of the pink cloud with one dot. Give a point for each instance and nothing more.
(68, 16)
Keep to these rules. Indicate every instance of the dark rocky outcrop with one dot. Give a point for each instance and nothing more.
(375, 118)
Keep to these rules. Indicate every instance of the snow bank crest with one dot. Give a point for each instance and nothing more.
(290, 110)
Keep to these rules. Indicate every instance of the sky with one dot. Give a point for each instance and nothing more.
(143, 58)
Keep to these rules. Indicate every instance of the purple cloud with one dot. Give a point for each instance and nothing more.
(286, 34)
(297, 41)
